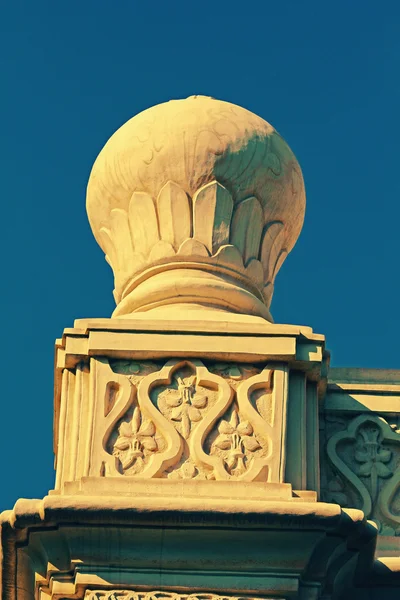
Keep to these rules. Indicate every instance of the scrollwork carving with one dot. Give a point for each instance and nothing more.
(364, 457)
(157, 595)
(241, 446)
(183, 421)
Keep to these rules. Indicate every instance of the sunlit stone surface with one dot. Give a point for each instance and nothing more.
(196, 201)
(203, 452)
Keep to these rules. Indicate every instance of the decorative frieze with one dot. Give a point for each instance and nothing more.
(179, 420)
(360, 450)
(162, 595)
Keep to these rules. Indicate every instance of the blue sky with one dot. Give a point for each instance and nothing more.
(325, 74)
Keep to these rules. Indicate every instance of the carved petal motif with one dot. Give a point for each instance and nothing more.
(149, 444)
(229, 255)
(255, 271)
(226, 428)
(191, 247)
(223, 441)
(272, 253)
(194, 414)
(212, 211)
(247, 223)
(143, 223)
(250, 443)
(161, 250)
(110, 250)
(174, 214)
(155, 230)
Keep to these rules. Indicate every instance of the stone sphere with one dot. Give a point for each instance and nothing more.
(196, 184)
(192, 142)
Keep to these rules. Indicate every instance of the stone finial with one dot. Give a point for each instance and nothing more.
(196, 203)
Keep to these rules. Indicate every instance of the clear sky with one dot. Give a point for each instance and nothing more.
(325, 74)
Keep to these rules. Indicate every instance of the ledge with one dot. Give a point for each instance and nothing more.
(191, 511)
(242, 338)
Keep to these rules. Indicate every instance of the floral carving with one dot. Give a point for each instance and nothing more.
(187, 471)
(185, 403)
(172, 422)
(236, 438)
(372, 458)
(136, 440)
(120, 594)
(363, 456)
(208, 226)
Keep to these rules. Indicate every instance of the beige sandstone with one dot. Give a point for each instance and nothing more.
(196, 203)
(202, 451)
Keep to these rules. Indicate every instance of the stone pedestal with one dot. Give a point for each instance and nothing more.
(133, 402)
(186, 477)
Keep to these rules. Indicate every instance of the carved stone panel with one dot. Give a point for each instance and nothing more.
(182, 419)
(362, 467)
(160, 595)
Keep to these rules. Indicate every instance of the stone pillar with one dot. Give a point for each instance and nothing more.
(186, 427)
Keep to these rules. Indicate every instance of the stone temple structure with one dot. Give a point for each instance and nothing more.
(204, 452)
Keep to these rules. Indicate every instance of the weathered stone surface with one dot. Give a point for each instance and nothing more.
(202, 452)
(196, 198)
(69, 546)
(134, 414)
(360, 446)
